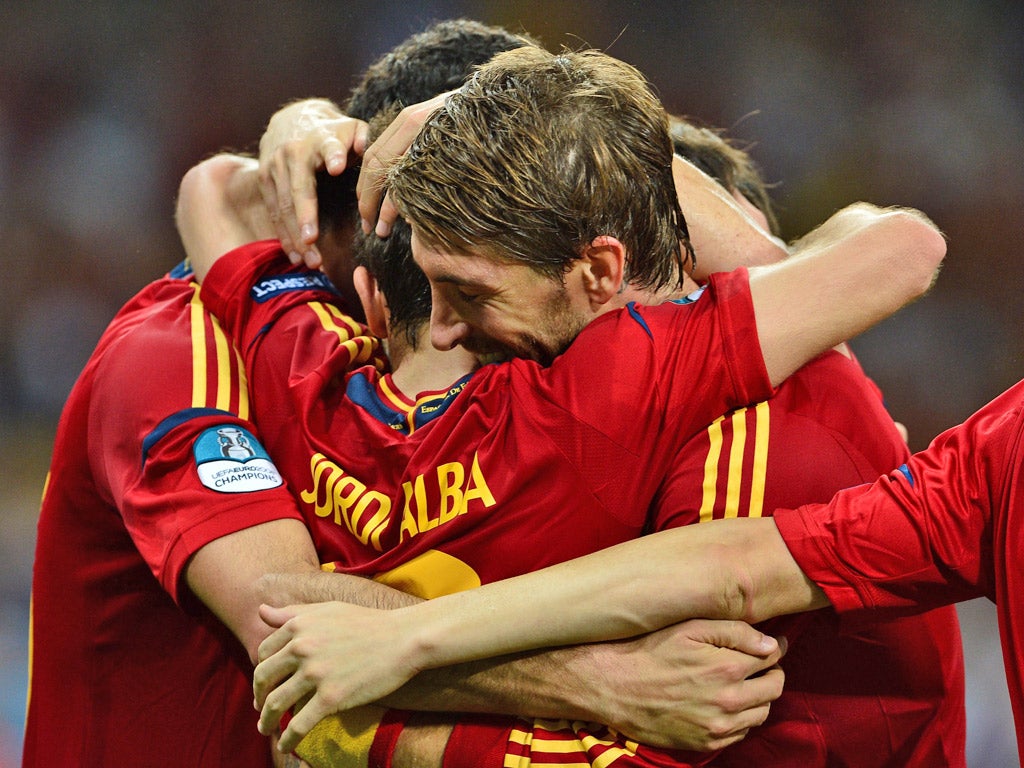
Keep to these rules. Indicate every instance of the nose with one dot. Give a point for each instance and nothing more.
(447, 329)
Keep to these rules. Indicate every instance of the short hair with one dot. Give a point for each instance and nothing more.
(540, 153)
(433, 61)
(720, 158)
(428, 63)
(390, 261)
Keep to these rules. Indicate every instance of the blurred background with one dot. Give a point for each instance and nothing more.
(104, 105)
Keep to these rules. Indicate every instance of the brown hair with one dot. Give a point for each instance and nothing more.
(540, 153)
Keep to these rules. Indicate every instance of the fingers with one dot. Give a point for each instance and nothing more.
(386, 218)
(301, 139)
(288, 695)
(277, 618)
(744, 706)
(276, 701)
(391, 144)
(303, 721)
(737, 635)
(285, 186)
(270, 672)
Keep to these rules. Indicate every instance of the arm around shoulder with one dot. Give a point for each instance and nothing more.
(219, 208)
(853, 271)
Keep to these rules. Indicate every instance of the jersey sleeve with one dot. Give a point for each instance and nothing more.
(921, 536)
(180, 457)
(289, 322)
(676, 366)
(255, 288)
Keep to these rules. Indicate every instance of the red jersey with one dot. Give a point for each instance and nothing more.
(943, 528)
(513, 468)
(890, 693)
(154, 457)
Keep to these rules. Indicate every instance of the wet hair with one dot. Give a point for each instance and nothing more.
(537, 155)
(431, 62)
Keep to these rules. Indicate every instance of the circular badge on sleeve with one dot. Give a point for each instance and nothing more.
(230, 460)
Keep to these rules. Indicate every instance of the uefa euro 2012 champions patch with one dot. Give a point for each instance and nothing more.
(230, 460)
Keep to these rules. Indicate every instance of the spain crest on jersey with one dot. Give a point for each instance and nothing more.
(229, 459)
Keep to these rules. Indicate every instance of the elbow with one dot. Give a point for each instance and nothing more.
(202, 184)
(735, 594)
(925, 246)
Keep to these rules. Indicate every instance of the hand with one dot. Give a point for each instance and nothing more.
(393, 142)
(324, 658)
(698, 685)
(300, 139)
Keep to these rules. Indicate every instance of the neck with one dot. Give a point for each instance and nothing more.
(426, 369)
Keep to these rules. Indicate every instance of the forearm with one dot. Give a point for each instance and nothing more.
(855, 270)
(723, 236)
(541, 684)
(422, 742)
(219, 208)
(737, 569)
(280, 589)
(546, 684)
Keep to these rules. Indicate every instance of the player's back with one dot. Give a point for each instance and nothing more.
(120, 674)
(885, 694)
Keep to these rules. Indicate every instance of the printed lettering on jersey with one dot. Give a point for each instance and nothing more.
(268, 288)
(230, 460)
(431, 499)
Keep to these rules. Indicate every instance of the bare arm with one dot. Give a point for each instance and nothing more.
(727, 569)
(688, 686)
(856, 269)
(219, 208)
(723, 235)
(273, 563)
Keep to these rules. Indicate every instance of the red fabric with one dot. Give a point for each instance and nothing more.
(889, 693)
(121, 675)
(945, 528)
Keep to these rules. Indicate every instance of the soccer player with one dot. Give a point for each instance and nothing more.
(942, 528)
(446, 47)
(161, 514)
(862, 219)
(156, 472)
(909, 672)
(825, 429)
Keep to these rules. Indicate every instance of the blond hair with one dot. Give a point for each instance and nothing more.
(540, 153)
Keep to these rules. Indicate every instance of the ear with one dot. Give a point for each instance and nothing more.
(375, 306)
(603, 265)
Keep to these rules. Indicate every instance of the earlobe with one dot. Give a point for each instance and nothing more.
(603, 269)
(374, 304)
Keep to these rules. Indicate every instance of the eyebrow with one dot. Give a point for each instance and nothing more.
(450, 279)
